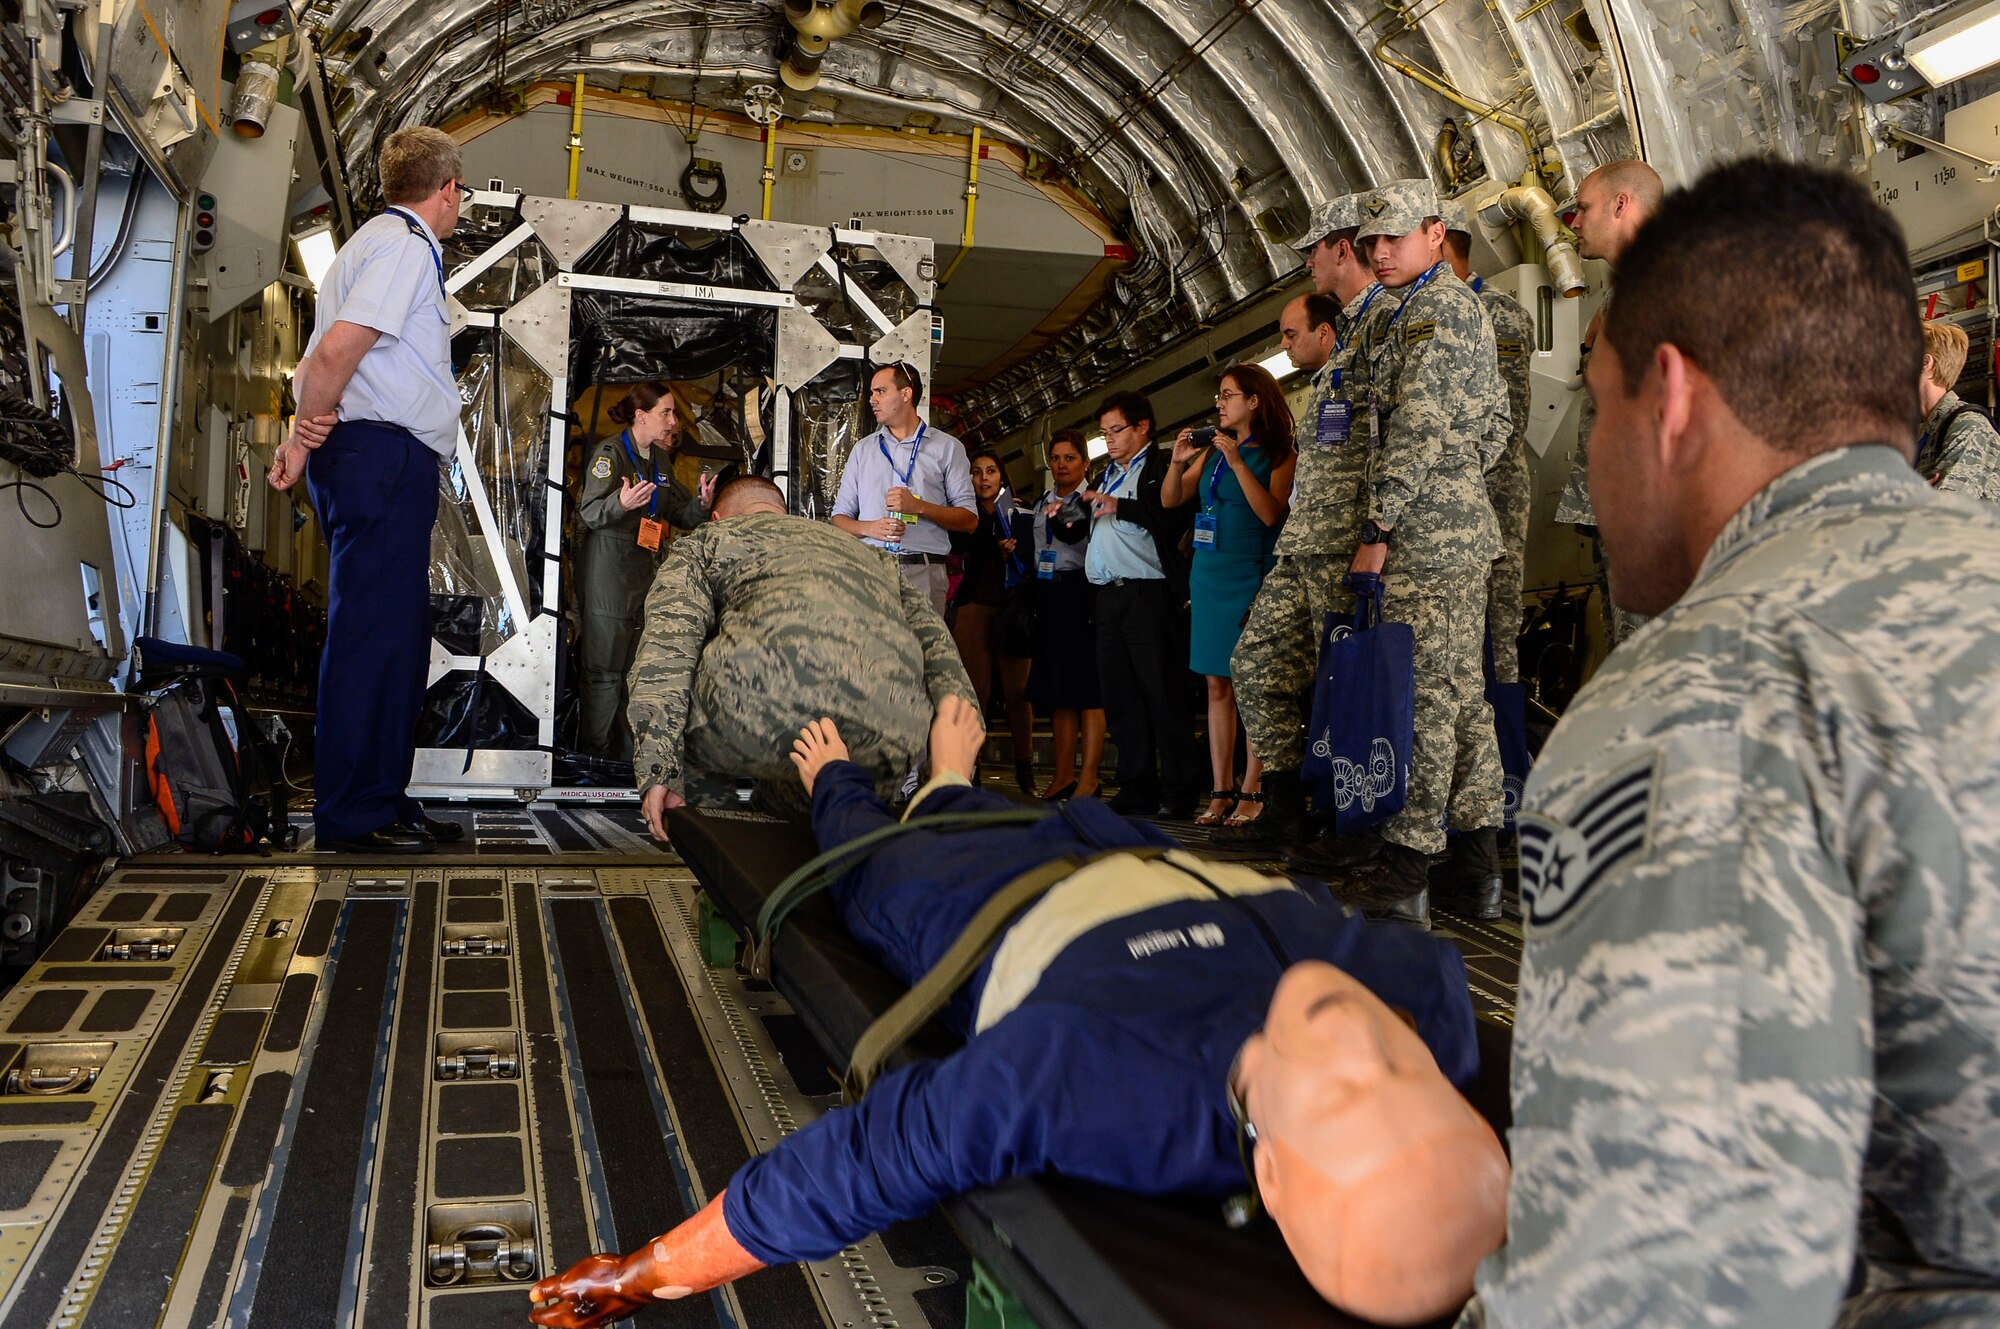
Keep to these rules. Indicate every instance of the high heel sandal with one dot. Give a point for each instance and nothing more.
(1241, 799)
(1058, 795)
(1229, 796)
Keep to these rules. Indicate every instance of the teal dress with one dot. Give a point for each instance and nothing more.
(1226, 574)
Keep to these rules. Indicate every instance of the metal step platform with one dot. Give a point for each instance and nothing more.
(361, 1095)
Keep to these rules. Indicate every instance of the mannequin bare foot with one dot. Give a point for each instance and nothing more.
(817, 744)
(956, 737)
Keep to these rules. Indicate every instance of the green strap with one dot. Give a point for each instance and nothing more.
(823, 870)
(914, 1008)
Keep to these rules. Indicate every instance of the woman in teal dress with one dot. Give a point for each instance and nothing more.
(1242, 482)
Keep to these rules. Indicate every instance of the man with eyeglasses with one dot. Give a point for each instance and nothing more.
(377, 409)
(907, 486)
(1153, 1022)
(1135, 562)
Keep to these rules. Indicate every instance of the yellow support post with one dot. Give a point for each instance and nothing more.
(770, 162)
(971, 208)
(575, 134)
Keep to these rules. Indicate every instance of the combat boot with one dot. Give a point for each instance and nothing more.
(1283, 821)
(1468, 881)
(1330, 855)
(1397, 890)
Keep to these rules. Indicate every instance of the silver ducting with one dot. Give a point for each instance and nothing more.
(1532, 204)
(257, 88)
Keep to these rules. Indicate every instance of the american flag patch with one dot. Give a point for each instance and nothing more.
(1562, 862)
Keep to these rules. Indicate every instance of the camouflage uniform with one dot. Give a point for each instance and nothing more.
(1507, 480)
(763, 622)
(1759, 1023)
(1430, 402)
(1966, 460)
(1573, 508)
(1279, 645)
(617, 570)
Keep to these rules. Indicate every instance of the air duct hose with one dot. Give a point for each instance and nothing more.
(1532, 204)
(816, 25)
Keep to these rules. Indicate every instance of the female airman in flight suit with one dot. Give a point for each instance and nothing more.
(629, 496)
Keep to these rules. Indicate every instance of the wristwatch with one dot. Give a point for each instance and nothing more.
(1371, 534)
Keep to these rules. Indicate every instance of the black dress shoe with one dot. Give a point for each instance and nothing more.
(1058, 795)
(444, 832)
(395, 838)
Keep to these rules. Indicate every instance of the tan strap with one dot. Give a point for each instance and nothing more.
(914, 1008)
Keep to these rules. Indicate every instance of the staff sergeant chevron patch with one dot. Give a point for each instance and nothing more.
(1562, 863)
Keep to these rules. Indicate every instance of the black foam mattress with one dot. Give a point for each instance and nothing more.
(1075, 1254)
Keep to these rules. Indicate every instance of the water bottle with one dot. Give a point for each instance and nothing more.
(894, 544)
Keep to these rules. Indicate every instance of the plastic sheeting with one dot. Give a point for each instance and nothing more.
(631, 338)
(469, 710)
(826, 424)
(506, 420)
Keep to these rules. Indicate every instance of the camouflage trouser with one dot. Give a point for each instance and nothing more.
(1274, 657)
(735, 738)
(1508, 486)
(1455, 771)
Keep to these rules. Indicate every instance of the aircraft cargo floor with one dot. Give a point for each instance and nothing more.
(313, 1090)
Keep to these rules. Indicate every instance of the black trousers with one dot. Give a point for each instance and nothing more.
(375, 488)
(1142, 655)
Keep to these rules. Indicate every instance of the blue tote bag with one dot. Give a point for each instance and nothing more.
(1364, 714)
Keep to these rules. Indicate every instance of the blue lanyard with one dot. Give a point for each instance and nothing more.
(417, 229)
(1111, 484)
(652, 465)
(916, 444)
(1359, 314)
(1411, 294)
(1215, 480)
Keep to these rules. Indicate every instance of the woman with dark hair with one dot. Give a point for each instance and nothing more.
(987, 628)
(1241, 474)
(629, 497)
(1063, 684)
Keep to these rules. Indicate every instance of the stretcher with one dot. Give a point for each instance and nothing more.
(1074, 1255)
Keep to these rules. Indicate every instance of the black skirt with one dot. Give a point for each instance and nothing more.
(1065, 672)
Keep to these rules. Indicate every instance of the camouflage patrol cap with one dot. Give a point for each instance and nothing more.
(1342, 214)
(1454, 216)
(1397, 208)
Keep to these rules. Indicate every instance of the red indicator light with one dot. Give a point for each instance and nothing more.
(268, 18)
(1865, 73)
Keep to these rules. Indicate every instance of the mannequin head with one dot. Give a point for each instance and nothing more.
(1388, 1187)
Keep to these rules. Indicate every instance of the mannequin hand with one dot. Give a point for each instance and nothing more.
(655, 804)
(590, 1292)
(633, 496)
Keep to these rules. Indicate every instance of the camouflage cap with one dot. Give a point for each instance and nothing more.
(1454, 215)
(1397, 208)
(1342, 214)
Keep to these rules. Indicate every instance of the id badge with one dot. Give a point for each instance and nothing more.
(1045, 564)
(1336, 421)
(911, 518)
(1204, 530)
(1375, 421)
(650, 532)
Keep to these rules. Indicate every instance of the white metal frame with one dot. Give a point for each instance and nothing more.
(525, 664)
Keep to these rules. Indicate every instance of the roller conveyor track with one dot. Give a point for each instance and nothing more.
(373, 1096)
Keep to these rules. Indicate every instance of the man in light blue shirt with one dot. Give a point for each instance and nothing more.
(907, 485)
(1135, 562)
(377, 407)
